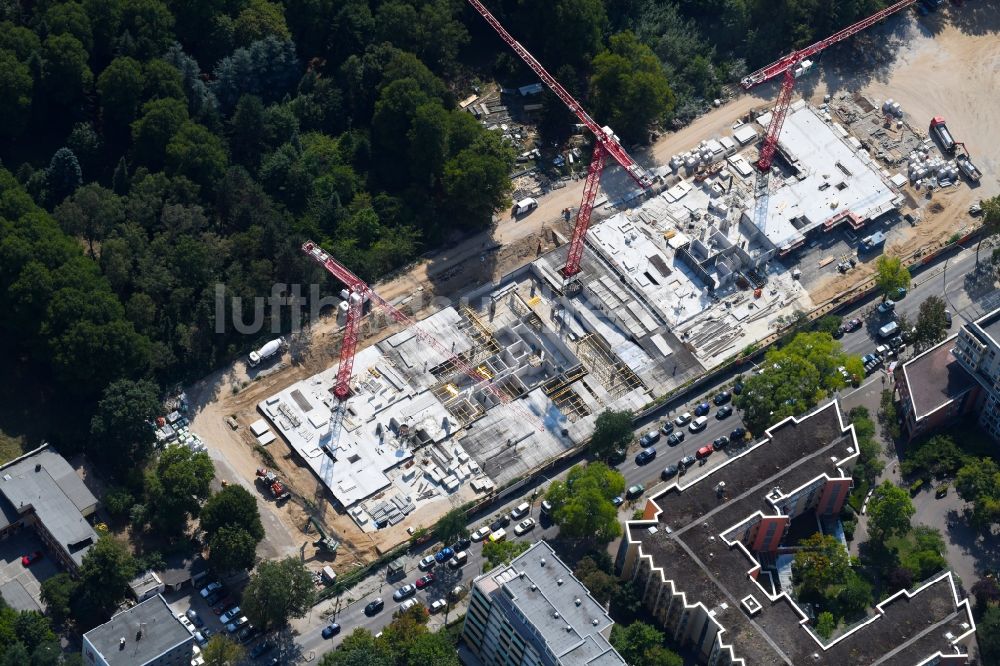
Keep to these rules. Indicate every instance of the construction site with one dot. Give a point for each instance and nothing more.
(755, 219)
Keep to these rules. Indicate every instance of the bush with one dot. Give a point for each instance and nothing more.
(118, 501)
(849, 527)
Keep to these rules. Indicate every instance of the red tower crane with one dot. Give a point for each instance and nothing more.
(358, 293)
(792, 66)
(606, 143)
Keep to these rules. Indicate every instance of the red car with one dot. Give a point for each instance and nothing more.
(224, 605)
(425, 581)
(704, 452)
(26, 560)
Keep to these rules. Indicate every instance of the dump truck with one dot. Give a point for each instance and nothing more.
(970, 170)
(940, 130)
(269, 350)
(279, 492)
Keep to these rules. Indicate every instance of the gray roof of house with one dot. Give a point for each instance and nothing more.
(568, 620)
(45, 482)
(161, 631)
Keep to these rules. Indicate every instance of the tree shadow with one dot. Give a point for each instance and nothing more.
(976, 17)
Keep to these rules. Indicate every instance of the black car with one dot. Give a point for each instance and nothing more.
(215, 597)
(720, 443)
(617, 457)
(738, 434)
(374, 607)
(645, 456)
(947, 317)
(737, 388)
(686, 462)
(669, 472)
(502, 521)
(838, 332)
(896, 342)
(675, 438)
(247, 633)
(263, 648)
(702, 409)
(461, 544)
(722, 398)
(724, 411)
(331, 630)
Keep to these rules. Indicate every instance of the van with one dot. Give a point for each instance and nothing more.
(698, 424)
(498, 535)
(888, 330)
(459, 560)
(329, 575)
(520, 511)
(525, 206)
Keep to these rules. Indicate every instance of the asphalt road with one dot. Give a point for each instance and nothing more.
(966, 300)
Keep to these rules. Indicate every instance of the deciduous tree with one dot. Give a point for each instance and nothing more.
(120, 433)
(891, 275)
(105, 573)
(278, 591)
(222, 651)
(502, 552)
(640, 643)
(582, 505)
(176, 487)
(16, 88)
(232, 548)
(66, 72)
(821, 561)
(612, 431)
(233, 505)
(932, 323)
(451, 526)
(889, 511)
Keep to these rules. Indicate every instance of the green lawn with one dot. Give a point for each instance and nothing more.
(10, 447)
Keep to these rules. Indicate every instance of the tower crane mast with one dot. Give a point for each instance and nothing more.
(606, 144)
(358, 293)
(793, 65)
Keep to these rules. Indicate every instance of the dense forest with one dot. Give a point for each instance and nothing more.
(152, 149)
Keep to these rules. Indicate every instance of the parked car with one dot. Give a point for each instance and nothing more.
(667, 427)
(702, 409)
(230, 615)
(546, 507)
(737, 388)
(899, 294)
(947, 317)
(617, 500)
(698, 424)
(669, 472)
(424, 581)
(520, 511)
(407, 605)
(211, 587)
(851, 325)
(329, 631)
(645, 456)
(524, 526)
(236, 624)
(27, 560)
(462, 544)
(738, 434)
(264, 647)
(459, 560)
(426, 563)
(407, 590)
(207, 634)
(502, 521)
(651, 437)
(724, 412)
(215, 597)
(199, 638)
(886, 306)
(498, 535)
(686, 462)
(617, 456)
(720, 443)
(682, 420)
(247, 633)
(186, 623)
(438, 605)
(635, 491)
(373, 607)
(676, 438)
(704, 452)
(722, 398)
(223, 605)
(196, 620)
(444, 554)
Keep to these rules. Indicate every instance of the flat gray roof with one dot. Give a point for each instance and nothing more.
(935, 378)
(17, 597)
(990, 325)
(161, 631)
(546, 593)
(45, 482)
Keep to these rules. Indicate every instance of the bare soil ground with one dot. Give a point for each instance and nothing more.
(947, 64)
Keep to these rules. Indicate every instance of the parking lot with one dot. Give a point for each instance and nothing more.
(23, 583)
(207, 622)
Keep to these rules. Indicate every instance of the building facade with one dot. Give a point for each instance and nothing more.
(534, 612)
(978, 351)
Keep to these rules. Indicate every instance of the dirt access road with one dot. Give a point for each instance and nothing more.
(947, 64)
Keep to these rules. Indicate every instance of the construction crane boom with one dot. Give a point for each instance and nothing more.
(785, 63)
(359, 291)
(602, 134)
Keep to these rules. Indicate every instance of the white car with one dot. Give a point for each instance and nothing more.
(524, 526)
(230, 615)
(481, 533)
(520, 511)
(186, 622)
(427, 563)
(438, 605)
(408, 604)
(211, 587)
(236, 624)
(682, 420)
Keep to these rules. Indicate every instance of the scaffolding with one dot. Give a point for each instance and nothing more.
(560, 391)
(616, 377)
